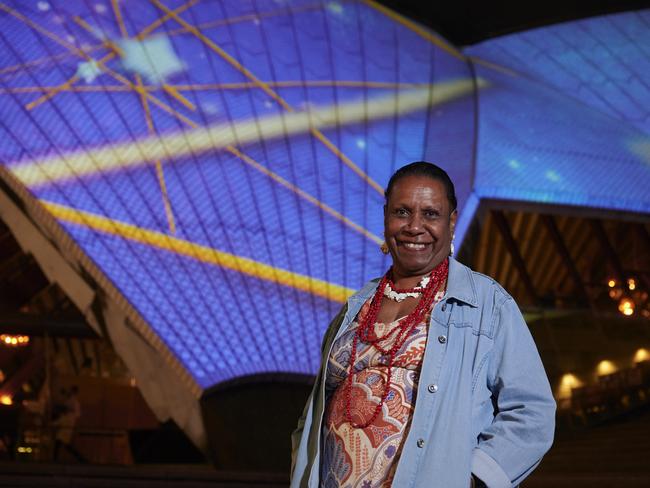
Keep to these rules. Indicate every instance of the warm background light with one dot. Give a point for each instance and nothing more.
(611, 283)
(605, 367)
(626, 306)
(615, 293)
(641, 355)
(567, 382)
(6, 400)
(14, 340)
(631, 283)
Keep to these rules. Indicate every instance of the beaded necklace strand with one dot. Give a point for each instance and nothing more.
(402, 328)
(399, 295)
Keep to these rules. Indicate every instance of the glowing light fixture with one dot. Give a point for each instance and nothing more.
(567, 382)
(611, 283)
(626, 306)
(6, 400)
(631, 283)
(14, 340)
(605, 367)
(641, 354)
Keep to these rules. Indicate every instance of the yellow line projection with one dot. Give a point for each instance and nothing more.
(175, 32)
(142, 91)
(43, 31)
(100, 64)
(326, 208)
(118, 18)
(494, 66)
(79, 88)
(200, 252)
(443, 94)
(159, 169)
(117, 51)
(221, 86)
(308, 122)
(271, 93)
(173, 92)
(64, 86)
(421, 31)
(232, 61)
(157, 23)
(51, 93)
(45, 59)
(137, 152)
(249, 17)
(94, 32)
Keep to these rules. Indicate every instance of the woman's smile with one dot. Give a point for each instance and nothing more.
(413, 246)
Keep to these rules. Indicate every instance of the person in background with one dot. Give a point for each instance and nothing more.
(429, 375)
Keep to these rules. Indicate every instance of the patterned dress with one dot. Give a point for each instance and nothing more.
(367, 458)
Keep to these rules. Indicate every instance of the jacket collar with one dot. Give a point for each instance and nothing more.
(460, 283)
(460, 286)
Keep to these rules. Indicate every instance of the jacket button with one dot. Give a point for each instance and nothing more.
(442, 339)
(432, 388)
(444, 306)
(420, 443)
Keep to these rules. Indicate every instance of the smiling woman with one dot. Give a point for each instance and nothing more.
(419, 220)
(434, 330)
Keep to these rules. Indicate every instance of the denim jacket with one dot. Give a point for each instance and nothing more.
(484, 404)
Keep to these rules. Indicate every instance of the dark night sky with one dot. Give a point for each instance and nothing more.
(467, 22)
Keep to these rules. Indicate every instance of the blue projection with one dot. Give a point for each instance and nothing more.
(222, 163)
(567, 119)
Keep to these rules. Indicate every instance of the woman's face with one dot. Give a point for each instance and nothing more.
(418, 225)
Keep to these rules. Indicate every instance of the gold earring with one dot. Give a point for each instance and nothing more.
(384, 247)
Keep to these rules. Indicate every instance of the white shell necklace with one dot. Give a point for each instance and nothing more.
(412, 293)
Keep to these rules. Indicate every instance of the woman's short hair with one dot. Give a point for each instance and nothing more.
(430, 170)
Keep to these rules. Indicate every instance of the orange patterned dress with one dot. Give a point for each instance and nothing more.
(367, 458)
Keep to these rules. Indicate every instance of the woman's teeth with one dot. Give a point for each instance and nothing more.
(411, 245)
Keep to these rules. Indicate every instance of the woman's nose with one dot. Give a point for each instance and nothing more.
(414, 224)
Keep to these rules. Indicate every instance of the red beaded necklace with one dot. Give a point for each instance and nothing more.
(402, 328)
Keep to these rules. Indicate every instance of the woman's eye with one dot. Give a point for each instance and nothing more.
(431, 215)
(401, 212)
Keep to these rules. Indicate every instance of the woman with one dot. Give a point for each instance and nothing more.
(429, 376)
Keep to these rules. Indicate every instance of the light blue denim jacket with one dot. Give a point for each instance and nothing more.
(484, 404)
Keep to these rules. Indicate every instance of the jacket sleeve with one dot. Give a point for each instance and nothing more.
(297, 437)
(523, 426)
